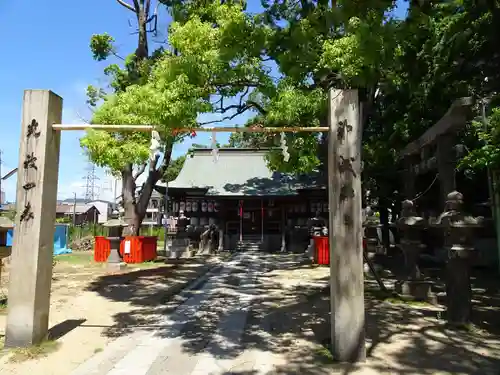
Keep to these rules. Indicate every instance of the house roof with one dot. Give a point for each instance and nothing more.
(8, 206)
(78, 209)
(82, 201)
(60, 208)
(237, 172)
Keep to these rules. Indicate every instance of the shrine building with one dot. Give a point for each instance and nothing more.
(247, 201)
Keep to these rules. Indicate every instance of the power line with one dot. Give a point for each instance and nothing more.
(91, 188)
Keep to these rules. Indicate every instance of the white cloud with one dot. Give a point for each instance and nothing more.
(106, 187)
(71, 115)
(66, 191)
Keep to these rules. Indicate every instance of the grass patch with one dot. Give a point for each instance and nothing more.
(32, 352)
(323, 353)
(97, 350)
(394, 298)
(406, 301)
(150, 264)
(77, 258)
(86, 258)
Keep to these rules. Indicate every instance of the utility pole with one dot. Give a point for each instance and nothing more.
(74, 209)
(114, 192)
(1, 196)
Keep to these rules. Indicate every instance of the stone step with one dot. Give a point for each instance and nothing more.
(249, 248)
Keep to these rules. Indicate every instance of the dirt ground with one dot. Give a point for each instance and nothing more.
(290, 321)
(88, 306)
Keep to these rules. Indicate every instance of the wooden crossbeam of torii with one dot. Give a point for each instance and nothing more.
(37, 179)
(416, 155)
(150, 128)
(453, 119)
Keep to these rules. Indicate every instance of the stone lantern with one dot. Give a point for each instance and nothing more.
(115, 227)
(5, 251)
(371, 229)
(411, 228)
(458, 241)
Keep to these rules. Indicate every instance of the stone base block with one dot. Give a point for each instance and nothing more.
(205, 250)
(182, 252)
(116, 267)
(417, 290)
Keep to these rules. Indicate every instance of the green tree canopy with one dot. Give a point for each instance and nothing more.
(280, 63)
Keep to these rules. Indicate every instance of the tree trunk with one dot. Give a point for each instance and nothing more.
(141, 52)
(129, 202)
(135, 208)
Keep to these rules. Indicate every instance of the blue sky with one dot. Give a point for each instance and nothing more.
(46, 47)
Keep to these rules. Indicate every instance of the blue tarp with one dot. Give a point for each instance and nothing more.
(10, 237)
(60, 239)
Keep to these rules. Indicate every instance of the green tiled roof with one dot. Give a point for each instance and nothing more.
(237, 172)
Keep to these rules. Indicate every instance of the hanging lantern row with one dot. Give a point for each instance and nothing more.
(213, 206)
(195, 206)
(313, 207)
(193, 220)
(319, 206)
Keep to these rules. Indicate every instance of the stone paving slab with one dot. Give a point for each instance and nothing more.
(228, 337)
(154, 352)
(174, 360)
(103, 362)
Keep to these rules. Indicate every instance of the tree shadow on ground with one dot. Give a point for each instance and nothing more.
(400, 338)
(152, 292)
(290, 320)
(485, 294)
(484, 283)
(135, 286)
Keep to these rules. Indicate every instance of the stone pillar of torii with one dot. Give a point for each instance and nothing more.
(31, 265)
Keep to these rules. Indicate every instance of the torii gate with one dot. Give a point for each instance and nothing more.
(31, 265)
